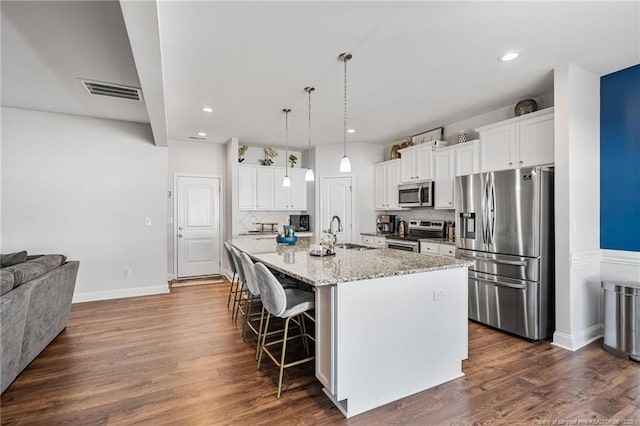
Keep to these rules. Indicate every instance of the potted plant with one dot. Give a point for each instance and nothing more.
(242, 150)
(269, 153)
(292, 161)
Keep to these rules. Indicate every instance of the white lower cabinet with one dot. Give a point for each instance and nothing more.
(374, 241)
(448, 250)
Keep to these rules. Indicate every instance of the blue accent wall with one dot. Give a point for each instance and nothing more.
(620, 160)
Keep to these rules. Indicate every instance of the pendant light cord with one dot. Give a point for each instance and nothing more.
(310, 89)
(344, 122)
(286, 141)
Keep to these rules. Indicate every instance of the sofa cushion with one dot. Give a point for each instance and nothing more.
(6, 280)
(13, 258)
(33, 268)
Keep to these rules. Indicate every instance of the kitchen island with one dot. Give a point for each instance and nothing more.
(388, 323)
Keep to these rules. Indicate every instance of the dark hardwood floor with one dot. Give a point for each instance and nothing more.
(179, 359)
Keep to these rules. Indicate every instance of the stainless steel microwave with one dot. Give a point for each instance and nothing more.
(415, 194)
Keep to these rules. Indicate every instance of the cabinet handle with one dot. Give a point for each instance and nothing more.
(511, 163)
(449, 202)
(520, 161)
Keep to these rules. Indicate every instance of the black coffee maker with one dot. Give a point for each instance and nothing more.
(386, 224)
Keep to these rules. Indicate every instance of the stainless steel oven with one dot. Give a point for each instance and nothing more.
(406, 245)
(415, 194)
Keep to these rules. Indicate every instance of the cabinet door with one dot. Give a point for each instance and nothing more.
(379, 186)
(446, 250)
(298, 190)
(535, 143)
(467, 158)
(280, 193)
(264, 189)
(424, 162)
(443, 179)
(246, 188)
(497, 148)
(407, 167)
(392, 179)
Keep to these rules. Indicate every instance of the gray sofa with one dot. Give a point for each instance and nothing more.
(34, 308)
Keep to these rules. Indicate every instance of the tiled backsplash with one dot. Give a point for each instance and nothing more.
(245, 219)
(425, 213)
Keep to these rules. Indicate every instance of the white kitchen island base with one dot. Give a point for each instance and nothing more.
(380, 340)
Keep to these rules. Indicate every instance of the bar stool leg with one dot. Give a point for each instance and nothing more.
(247, 314)
(305, 341)
(284, 352)
(237, 300)
(260, 332)
(264, 337)
(231, 290)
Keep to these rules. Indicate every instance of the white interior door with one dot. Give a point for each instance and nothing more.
(198, 226)
(336, 200)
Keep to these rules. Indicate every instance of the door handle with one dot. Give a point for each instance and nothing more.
(180, 228)
(180, 235)
(487, 259)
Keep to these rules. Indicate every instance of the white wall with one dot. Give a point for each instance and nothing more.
(197, 158)
(83, 187)
(363, 156)
(577, 206)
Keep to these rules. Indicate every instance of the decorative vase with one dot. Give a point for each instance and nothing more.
(394, 152)
(462, 136)
(525, 106)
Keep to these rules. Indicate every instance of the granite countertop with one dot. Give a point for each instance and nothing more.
(442, 240)
(346, 265)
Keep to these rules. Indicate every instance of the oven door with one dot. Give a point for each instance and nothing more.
(413, 246)
(410, 196)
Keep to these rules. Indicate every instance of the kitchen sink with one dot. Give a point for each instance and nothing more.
(351, 246)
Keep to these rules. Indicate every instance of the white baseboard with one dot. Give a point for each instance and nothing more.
(620, 257)
(578, 340)
(91, 296)
(585, 258)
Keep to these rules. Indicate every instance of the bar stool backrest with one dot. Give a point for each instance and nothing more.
(230, 261)
(273, 296)
(236, 259)
(250, 274)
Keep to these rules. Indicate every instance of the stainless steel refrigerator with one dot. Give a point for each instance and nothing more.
(504, 224)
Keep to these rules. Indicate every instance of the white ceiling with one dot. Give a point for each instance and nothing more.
(48, 45)
(416, 65)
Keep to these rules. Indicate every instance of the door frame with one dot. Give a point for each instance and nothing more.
(175, 216)
(322, 183)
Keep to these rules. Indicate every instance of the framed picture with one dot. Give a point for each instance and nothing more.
(432, 135)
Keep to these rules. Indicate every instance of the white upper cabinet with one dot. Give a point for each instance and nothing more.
(293, 197)
(416, 163)
(467, 158)
(386, 178)
(264, 189)
(518, 142)
(444, 177)
(246, 188)
(260, 188)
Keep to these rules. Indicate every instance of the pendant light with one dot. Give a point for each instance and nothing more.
(286, 181)
(345, 163)
(309, 176)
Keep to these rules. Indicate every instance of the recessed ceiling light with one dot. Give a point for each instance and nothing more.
(202, 134)
(351, 130)
(508, 57)
(207, 109)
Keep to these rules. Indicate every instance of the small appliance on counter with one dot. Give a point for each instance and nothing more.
(288, 237)
(386, 224)
(300, 222)
(416, 229)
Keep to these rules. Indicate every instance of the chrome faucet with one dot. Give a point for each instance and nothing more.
(330, 230)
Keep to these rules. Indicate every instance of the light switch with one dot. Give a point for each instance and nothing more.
(438, 295)
(147, 221)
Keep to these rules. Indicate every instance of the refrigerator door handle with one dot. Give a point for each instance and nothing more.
(502, 284)
(504, 262)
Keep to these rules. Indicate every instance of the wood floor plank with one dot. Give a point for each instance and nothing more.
(180, 359)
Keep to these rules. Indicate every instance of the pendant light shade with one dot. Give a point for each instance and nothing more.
(309, 176)
(286, 181)
(345, 163)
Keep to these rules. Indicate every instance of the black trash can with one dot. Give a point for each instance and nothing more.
(622, 318)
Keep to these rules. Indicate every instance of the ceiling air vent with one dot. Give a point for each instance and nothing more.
(113, 90)
(197, 138)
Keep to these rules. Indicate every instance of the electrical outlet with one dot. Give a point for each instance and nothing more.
(438, 295)
(128, 273)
